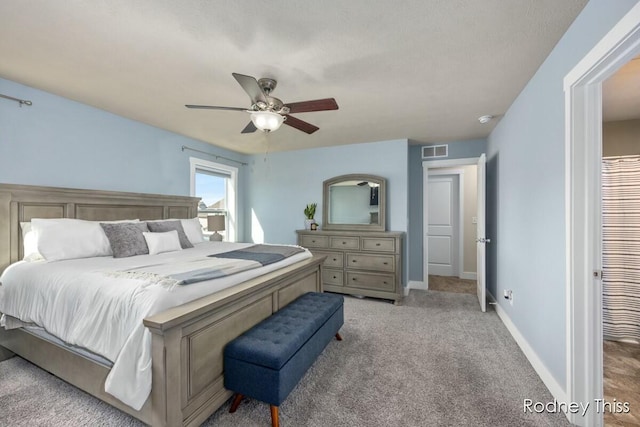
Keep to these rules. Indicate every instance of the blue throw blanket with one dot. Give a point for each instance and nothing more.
(255, 256)
(210, 267)
(264, 254)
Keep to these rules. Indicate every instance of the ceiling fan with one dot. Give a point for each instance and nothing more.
(268, 113)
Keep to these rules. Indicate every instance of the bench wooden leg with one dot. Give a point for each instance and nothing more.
(338, 337)
(275, 421)
(236, 403)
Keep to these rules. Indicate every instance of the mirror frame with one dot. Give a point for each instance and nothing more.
(382, 203)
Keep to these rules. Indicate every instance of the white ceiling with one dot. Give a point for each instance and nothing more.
(421, 69)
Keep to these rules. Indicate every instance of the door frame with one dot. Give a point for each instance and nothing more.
(427, 167)
(458, 262)
(583, 240)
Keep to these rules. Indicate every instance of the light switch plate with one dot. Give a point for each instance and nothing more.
(474, 220)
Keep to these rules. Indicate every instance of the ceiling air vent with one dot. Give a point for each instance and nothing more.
(432, 151)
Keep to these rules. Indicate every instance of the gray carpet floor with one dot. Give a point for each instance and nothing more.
(434, 361)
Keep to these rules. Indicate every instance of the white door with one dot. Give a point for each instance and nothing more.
(442, 241)
(481, 239)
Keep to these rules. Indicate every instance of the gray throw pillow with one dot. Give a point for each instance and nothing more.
(164, 226)
(126, 239)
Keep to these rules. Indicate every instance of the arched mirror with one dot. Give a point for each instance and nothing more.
(354, 202)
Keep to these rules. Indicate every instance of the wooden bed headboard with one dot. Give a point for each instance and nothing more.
(20, 203)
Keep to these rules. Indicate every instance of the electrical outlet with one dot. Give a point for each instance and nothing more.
(474, 220)
(508, 295)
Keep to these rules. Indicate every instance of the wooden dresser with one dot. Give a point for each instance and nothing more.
(359, 262)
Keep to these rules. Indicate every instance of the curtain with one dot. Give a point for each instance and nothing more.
(621, 247)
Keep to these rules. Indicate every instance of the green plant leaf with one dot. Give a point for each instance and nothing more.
(310, 210)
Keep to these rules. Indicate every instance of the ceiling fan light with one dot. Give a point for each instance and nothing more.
(266, 121)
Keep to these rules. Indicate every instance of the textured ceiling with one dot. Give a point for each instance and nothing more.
(423, 70)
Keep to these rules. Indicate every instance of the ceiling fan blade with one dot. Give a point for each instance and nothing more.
(249, 128)
(250, 85)
(213, 107)
(316, 105)
(300, 124)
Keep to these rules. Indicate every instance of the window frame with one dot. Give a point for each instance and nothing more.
(231, 190)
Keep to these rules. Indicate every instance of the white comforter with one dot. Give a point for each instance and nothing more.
(76, 301)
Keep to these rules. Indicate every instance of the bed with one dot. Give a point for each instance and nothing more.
(187, 340)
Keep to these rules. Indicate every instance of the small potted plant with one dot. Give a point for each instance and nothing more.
(310, 212)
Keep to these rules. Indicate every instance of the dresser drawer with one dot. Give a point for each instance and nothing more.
(379, 282)
(381, 244)
(332, 277)
(344, 242)
(371, 262)
(334, 259)
(314, 241)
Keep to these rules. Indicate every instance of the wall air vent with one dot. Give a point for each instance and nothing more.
(434, 151)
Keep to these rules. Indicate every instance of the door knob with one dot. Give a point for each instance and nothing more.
(483, 240)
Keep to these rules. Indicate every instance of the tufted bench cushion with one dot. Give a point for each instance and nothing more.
(268, 360)
(272, 342)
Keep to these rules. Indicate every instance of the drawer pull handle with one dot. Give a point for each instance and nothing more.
(353, 260)
(334, 277)
(344, 243)
(335, 259)
(385, 282)
(385, 263)
(354, 279)
(313, 241)
(377, 244)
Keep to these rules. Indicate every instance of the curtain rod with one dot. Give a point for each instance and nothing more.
(20, 101)
(184, 147)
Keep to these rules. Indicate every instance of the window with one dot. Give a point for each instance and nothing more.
(216, 185)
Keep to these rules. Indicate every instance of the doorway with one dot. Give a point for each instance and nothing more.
(471, 259)
(583, 101)
(621, 241)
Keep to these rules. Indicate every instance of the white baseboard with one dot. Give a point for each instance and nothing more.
(468, 275)
(415, 284)
(557, 391)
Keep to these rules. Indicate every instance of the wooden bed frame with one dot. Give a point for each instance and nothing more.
(188, 340)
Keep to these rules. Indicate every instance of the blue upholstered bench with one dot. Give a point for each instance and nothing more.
(267, 361)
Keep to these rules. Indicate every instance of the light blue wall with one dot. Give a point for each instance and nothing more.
(457, 150)
(62, 143)
(59, 142)
(280, 186)
(525, 186)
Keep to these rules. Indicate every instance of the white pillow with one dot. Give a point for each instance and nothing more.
(192, 228)
(158, 243)
(68, 238)
(29, 243)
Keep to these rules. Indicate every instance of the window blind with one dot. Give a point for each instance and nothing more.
(216, 173)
